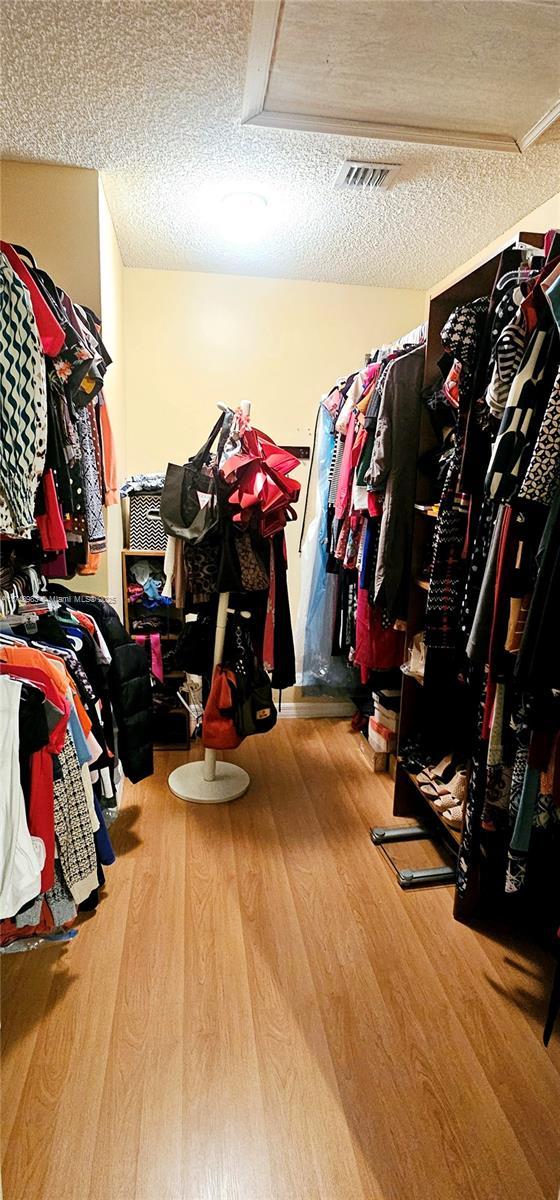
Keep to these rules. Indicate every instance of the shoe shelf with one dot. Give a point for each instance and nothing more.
(453, 834)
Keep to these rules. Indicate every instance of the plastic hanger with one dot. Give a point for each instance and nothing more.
(520, 275)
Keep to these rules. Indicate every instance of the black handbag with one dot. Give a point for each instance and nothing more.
(190, 507)
(254, 710)
(195, 646)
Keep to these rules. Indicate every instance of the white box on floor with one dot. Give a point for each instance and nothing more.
(381, 738)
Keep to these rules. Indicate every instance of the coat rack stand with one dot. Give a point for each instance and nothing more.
(209, 781)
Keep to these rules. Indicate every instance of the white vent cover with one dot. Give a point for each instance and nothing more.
(363, 176)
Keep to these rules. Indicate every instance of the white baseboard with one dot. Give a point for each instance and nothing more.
(317, 708)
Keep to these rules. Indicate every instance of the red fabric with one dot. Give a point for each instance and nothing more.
(382, 730)
(40, 817)
(50, 332)
(377, 649)
(375, 504)
(35, 675)
(370, 376)
(548, 240)
(155, 659)
(9, 931)
(452, 384)
(109, 454)
(50, 524)
(83, 619)
(504, 567)
(359, 443)
(268, 640)
(536, 300)
(261, 472)
(57, 568)
(218, 728)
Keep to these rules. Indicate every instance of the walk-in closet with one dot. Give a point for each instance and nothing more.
(279, 595)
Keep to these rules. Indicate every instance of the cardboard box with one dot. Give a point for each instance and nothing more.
(380, 738)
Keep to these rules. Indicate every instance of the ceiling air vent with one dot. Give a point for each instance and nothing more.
(354, 175)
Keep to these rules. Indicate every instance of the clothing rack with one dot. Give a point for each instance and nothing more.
(58, 470)
(209, 781)
(408, 800)
(65, 668)
(414, 338)
(15, 577)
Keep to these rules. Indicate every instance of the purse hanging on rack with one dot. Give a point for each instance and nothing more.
(259, 474)
(189, 507)
(254, 710)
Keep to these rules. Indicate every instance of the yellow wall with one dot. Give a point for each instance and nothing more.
(53, 211)
(193, 340)
(112, 315)
(540, 220)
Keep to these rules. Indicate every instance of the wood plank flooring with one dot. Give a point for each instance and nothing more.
(258, 1012)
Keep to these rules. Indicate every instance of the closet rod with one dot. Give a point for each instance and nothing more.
(414, 338)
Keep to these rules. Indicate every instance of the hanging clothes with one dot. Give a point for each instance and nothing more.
(461, 336)
(57, 463)
(23, 406)
(360, 539)
(492, 604)
(393, 472)
(62, 695)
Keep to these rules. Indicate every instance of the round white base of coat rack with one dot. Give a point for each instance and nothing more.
(188, 783)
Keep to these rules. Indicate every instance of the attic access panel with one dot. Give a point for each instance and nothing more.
(477, 75)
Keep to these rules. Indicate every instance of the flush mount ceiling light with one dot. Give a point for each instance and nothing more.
(242, 215)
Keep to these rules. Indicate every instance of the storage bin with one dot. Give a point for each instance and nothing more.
(146, 531)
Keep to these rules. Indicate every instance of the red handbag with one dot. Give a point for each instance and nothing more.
(261, 471)
(218, 726)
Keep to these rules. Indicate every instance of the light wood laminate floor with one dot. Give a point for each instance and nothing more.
(258, 1012)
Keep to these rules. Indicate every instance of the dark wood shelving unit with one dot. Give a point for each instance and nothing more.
(171, 734)
(409, 800)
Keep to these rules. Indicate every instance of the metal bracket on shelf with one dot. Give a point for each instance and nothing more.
(409, 833)
(426, 876)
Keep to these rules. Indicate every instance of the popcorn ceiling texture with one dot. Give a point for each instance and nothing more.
(149, 92)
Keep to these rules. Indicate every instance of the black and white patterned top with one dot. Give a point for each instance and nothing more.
(512, 446)
(23, 406)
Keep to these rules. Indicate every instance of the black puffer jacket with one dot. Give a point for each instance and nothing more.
(129, 684)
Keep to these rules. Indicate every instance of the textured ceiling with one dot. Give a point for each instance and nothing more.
(150, 91)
